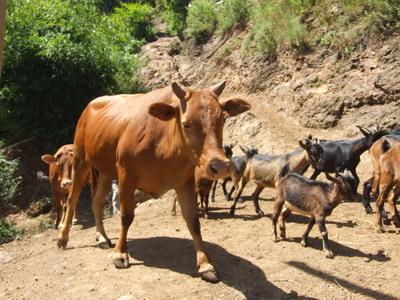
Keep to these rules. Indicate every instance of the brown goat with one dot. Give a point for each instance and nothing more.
(313, 198)
(389, 179)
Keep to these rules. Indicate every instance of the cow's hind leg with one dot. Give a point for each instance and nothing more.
(102, 189)
(78, 182)
(187, 200)
(127, 205)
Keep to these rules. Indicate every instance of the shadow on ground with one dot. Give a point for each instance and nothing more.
(345, 284)
(178, 255)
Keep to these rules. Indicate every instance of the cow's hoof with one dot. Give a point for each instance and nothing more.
(74, 222)
(206, 216)
(121, 260)
(61, 243)
(209, 276)
(329, 254)
(303, 243)
(102, 242)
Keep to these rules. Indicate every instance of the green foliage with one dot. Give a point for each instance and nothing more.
(8, 231)
(277, 23)
(233, 12)
(201, 20)
(9, 181)
(59, 55)
(175, 12)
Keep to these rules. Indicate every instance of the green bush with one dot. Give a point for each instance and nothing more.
(278, 23)
(233, 12)
(9, 182)
(201, 20)
(59, 55)
(175, 12)
(8, 231)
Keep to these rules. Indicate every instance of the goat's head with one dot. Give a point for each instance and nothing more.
(250, 152)
(346, 184)
(372, 135)
(228, 150)
(314, 150)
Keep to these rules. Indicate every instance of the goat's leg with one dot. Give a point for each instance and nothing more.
(356, 179)
(278, 204)
(383, 194)
(310, 225)
(392, 205)
(223, 185)
(282, 226)
(366, 199)
(206, 197)
(256, 195)
(237, 195)
(173, 206)
(214, 187)
(324, 233)
(315, 174)
(229, 196)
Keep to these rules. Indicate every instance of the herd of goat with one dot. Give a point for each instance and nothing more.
(296, 193)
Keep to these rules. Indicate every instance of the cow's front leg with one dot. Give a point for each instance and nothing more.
(187, 200)
(127, 206)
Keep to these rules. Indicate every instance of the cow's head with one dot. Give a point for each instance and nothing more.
(201, 118)
(62, 163)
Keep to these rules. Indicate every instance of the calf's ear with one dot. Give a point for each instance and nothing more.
(235, 106)
(48, 159)
(162, 111)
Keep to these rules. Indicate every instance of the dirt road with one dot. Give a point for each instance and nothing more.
(250, 265)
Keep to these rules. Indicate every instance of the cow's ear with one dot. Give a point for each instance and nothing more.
(48, 159)
(162, 111)
(235, 106)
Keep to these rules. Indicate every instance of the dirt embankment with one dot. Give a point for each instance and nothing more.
(320, 89)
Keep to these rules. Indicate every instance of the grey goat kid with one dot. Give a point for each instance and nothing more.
(236, 170)
(312, 198)
(265, 170)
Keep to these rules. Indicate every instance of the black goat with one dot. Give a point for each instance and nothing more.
(335, 156)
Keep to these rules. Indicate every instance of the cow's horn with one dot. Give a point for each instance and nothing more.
(218, 88)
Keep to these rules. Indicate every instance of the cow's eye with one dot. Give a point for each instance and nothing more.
(186, 125)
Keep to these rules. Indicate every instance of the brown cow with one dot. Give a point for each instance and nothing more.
(60, 168)
(152, 144)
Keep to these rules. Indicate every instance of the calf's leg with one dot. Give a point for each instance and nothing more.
(102, 189)
(187, 200)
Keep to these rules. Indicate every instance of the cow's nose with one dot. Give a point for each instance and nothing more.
(219, 168)
(65, 184)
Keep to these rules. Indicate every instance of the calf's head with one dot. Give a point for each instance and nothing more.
(60, 167)
(201, 118)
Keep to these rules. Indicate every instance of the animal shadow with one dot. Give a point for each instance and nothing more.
(178, 255)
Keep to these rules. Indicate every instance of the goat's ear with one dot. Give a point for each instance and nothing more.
(385, 146)
(333, 179)
(305, 146)
(231, 146)
(364, 131)
(244, 149)
(309, 137)
(48, 159)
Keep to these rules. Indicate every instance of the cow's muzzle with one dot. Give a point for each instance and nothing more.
(218, 169)
(66, 184)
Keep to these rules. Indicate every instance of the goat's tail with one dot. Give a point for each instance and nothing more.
(285, 170)
(385, 146)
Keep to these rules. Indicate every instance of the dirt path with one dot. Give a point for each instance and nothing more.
(250, 265)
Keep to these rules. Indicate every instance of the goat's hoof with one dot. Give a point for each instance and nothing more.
(329, 254)
(380, 229)
(304, 243)
(232, 211)
(368, 209)
(274, 239)
(260, 213)
(386, 221)
(173, 213)
(121, 260)
(62, 243)
(206, 216)
(241, 200)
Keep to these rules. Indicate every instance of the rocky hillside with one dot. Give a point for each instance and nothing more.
(320, 89)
